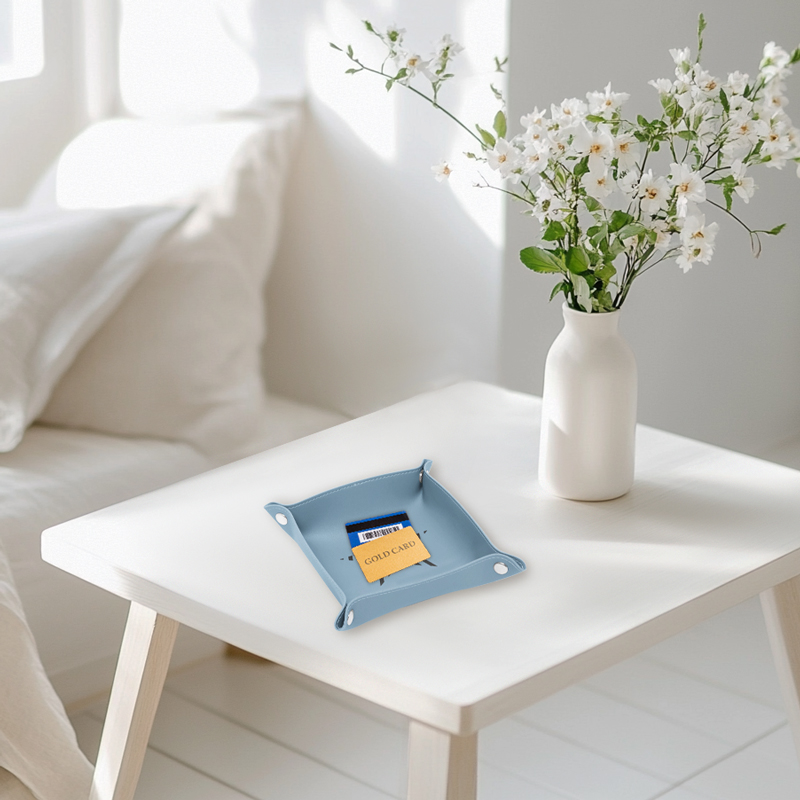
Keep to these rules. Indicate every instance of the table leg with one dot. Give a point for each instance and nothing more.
(441, 766)
(781, 606)
(139, 679)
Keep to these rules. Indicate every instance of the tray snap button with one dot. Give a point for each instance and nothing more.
(281, 519)
(500, 568)
(350, 618)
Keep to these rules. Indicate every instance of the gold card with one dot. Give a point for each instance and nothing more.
(390, 553)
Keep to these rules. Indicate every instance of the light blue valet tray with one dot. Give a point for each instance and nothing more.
(461, 554)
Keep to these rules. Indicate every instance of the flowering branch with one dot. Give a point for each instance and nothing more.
(587, 175)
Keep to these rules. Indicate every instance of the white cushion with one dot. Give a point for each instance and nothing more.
(181, 358)
(61, 275)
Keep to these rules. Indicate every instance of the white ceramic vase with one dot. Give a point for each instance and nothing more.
(589, 410)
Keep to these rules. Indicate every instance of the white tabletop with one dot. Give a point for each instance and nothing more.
(702, 529)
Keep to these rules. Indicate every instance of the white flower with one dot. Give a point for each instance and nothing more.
(548, 206)
(504, 157)
(441, 171)
(777, 143)
(740, 104)
(394, 33)
(705, 84)
(535, 125)
(737, 82)
(626, 150)
(444, 50)
(535, 157)
(411, 63)
(774, 99)
(393, 37)
(447, 47)
(697, 241)
(536, 119)
(654, 193)
(682, 59)
(558, 139)
(606, 102)
(774, 63)
(743, 133)
(598, 182)
(663, 235)
(745, 186)
(663, 85)
(689, 187)
(571, 112)
(597, 144)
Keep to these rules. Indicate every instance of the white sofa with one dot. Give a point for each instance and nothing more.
(102, 440)
(136, 385)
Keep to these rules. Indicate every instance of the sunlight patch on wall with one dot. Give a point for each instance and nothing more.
(128, 162)
(188, 58)
(484, 35)
(368, 111)
(21, 39)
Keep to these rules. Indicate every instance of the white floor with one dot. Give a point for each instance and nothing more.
(698, 716)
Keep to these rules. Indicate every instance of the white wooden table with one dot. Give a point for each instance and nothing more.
(702, 530)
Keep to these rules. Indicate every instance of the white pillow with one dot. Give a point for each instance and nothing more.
(181, 357)
(61, 275)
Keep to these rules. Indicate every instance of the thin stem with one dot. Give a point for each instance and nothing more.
(731, 214)
(431, 100)
(668, 254)
(487, 185)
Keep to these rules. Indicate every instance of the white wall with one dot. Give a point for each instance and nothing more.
(38, 115)
(717, 348)
(385, 285)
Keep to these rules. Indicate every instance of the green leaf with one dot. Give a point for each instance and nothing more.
(631, 229)
(486, 136)
(795, 57)
(727, 191)
(350, 50)
(499, 124)
(723, 98)
(776, 230)
(701, 26)
(596, 118)
(561, 286)
(605, 273)
(642, 121)
(689, 136)
(577, 260)
(598, 234)
(498, 64)
(554, 231)
(368, 25)
(351, 71)
(496, 92)
(615, 248)
(582, 292)
(335, 47)
(619, 219)
(603, 301)
(592, 204)
(540, 260)
(581, 168)
(389, 84)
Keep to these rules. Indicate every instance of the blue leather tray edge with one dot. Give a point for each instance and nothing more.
(364, 607)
